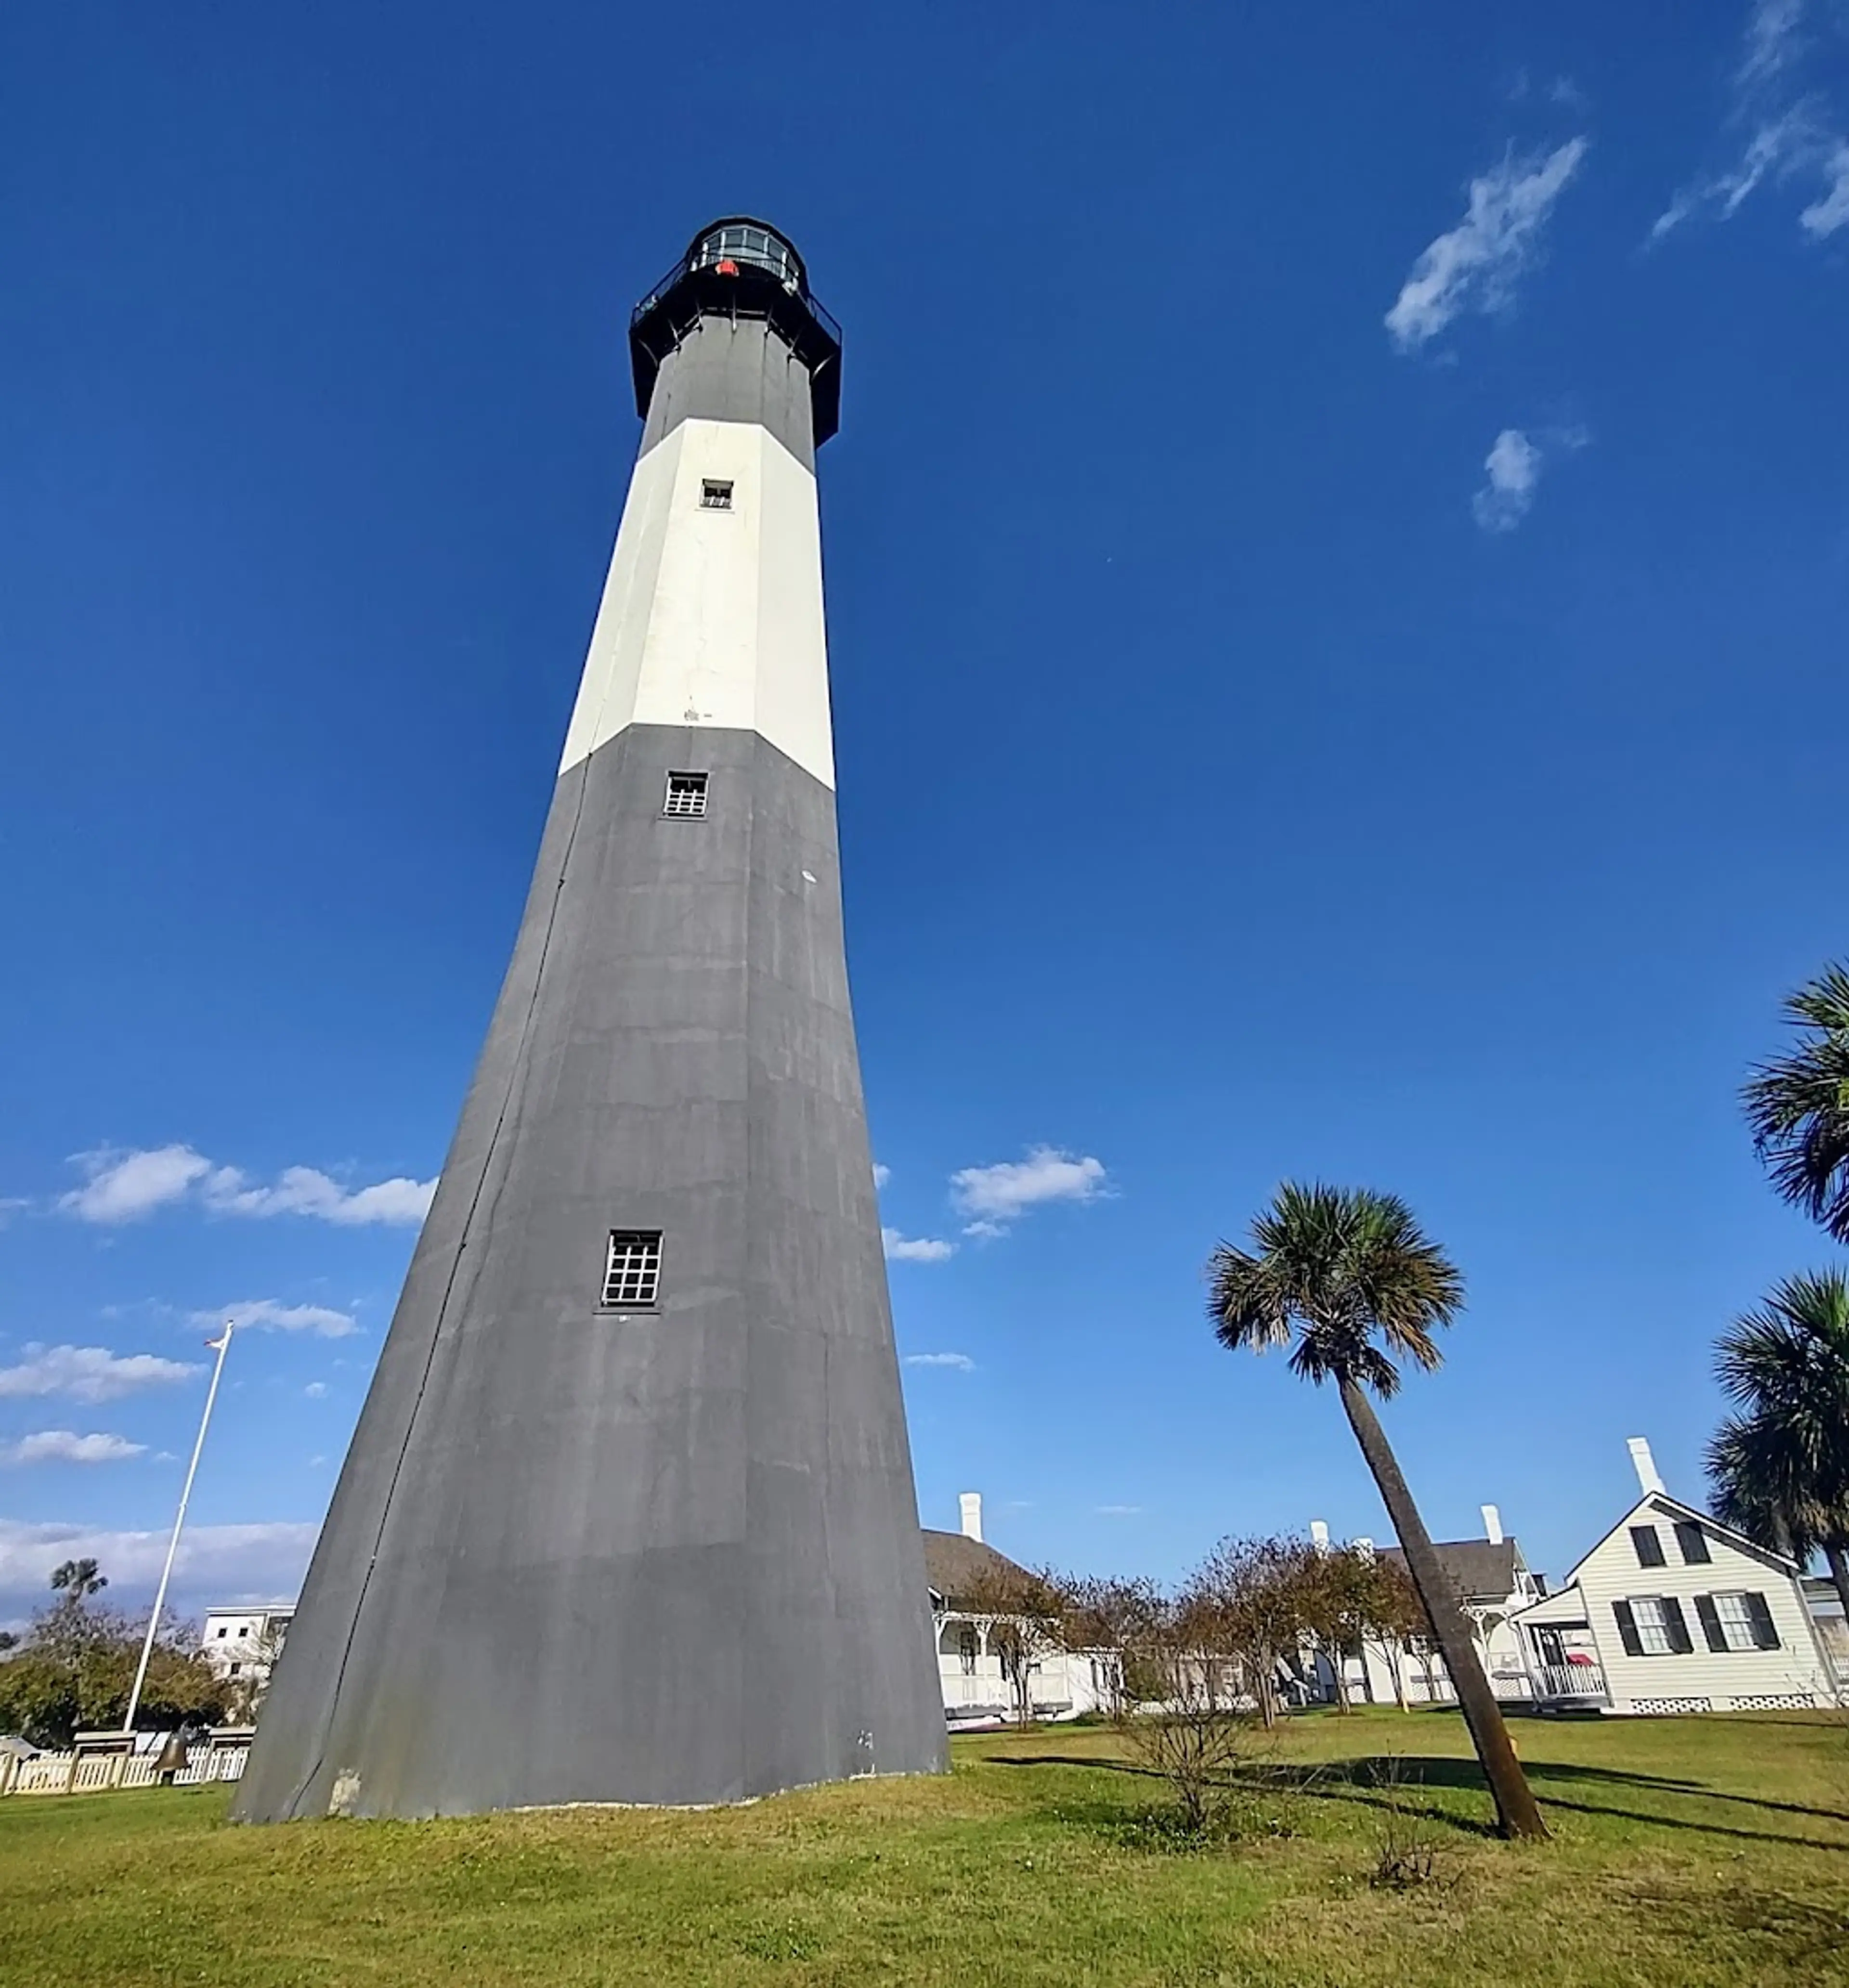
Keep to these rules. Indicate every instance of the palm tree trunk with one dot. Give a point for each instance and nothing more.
(1517, 1812)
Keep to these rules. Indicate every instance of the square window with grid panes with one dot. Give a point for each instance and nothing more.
(715, 494)
(632, 1270)
(686, 795)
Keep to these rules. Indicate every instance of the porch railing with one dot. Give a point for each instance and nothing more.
(1582, 1684)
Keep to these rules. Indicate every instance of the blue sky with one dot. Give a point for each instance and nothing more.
(1338, 553)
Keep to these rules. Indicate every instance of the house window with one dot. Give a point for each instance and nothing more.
(1649, 1545)
(1652, 1625)
(632, 1270)
(1743, 1621)
(1693, 1543)
(715, 496)
(686, 794)
(235, 1669)
(224, 1629)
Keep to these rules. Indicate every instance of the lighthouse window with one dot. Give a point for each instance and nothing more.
(715, 496)
(632, 1271)
(686, 794)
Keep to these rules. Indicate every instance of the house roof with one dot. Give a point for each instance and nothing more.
(1479, 1570)
(1661, 1505)
(954, 1564)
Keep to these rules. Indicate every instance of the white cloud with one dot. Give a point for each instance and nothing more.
(269, 1316)
(960, 1361)
(915, 1249)
(307, 1191)
(992, 1198)
(1118, 1511)
(215, 1564)
(66, 1446)
(88, 1373)
(124, 1185)
(315, 1389)
(1787, 133)
(881, 1174)
(1830, 209)
(1475, 265)
(1514, 467)
(1772, 41)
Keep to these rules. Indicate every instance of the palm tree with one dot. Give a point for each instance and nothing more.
(1331, 1270)
(78, 1579)
(1797, 1105)
(1780, 1468)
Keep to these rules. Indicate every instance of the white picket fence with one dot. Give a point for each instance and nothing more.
(93, 1773)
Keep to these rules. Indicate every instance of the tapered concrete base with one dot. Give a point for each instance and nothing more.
(662, 1557)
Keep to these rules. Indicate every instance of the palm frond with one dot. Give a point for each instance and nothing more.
(1797, 1104)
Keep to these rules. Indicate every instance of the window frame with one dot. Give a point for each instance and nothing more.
(1639, 1535)
(699, 792)
(647, 1278)
(1688, 1534)
(717, 492)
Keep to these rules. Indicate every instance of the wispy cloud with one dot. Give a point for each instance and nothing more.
(315, 1389)
(1118, 1511)
(1513, 469)
(66, 1446)
(227, 1563)
(88, 1373)
(960, 1361)
(1830, 209)
(1788, 132)
(915, 1249)
(881, 1174)
(991, 1199)
(1475, 266)
(128, 1184)
(268, 1315)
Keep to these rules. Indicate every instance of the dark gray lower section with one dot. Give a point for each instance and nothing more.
(727, 370)
(665, 1557)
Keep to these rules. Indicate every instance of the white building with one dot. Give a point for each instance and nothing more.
(1492, 1583)
(972, 1663)
(244, 1643)
(1672, 1611)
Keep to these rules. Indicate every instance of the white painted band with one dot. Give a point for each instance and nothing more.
(713, 617)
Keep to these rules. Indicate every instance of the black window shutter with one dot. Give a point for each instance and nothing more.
(1649, 1546)
(1681, 1642)
(1628, 1634)
(1765, 1636)
(1711, 1622)
(1693, 1543)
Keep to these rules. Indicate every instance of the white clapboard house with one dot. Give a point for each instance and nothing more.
(1672, 1611)
(965, 1574)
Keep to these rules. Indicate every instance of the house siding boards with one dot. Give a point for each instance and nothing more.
(1700, 1677)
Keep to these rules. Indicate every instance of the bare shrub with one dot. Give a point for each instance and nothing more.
(1407, 1848)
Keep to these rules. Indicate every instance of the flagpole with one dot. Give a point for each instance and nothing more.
(223, 1343)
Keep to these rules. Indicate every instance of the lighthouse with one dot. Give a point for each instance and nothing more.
(629, 1513)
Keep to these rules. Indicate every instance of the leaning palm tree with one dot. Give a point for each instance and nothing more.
(1797, 1104)
(1781, 1466)
(1334, 1271)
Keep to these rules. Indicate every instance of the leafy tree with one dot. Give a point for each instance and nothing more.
(1780, 1467)
(1333, 1271)
(75, 1668)
(1250, 1603)
(1026, 1615)
(1797, 1104)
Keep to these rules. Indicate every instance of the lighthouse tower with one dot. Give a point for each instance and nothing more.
(629, 1513)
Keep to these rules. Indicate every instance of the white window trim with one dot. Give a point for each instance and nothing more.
(1748, 1645)
(1659, 1628)
(636, 1288)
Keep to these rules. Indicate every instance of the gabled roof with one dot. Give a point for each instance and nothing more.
(955, 1564)
(1663, 1505)
(1479, 1570)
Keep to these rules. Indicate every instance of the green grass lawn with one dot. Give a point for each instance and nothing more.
(1689, 1851)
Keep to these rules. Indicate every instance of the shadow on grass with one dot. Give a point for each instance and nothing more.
(1358, 1783)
